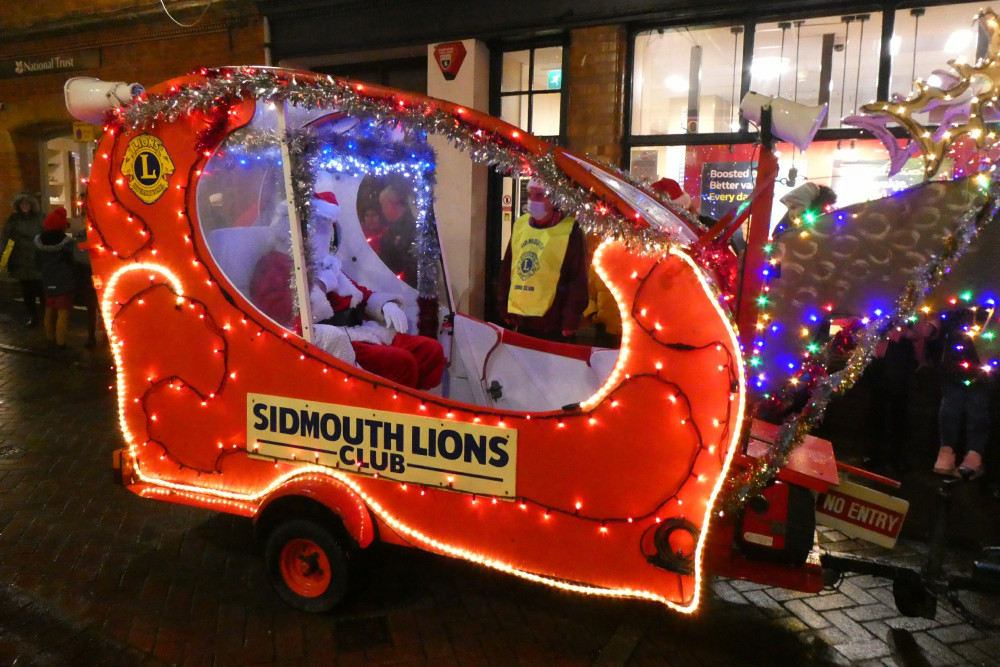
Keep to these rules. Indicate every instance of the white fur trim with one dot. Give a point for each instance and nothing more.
(371, 332)
(335, 341)
(319, 304)
(324, 181)
(325, 210)
(331, 273)
(802, 195)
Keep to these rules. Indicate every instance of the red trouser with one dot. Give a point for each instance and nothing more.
(414, 361)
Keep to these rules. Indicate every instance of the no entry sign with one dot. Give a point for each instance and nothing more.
(861, 512)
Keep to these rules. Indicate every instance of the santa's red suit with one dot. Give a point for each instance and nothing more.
(351, 322)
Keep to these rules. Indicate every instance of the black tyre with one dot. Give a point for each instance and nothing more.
(307, 565)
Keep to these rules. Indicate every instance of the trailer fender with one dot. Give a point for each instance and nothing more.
(308, 495)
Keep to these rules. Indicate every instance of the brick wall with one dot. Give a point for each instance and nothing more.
(19, 15)
(147, 52)
(596, 92)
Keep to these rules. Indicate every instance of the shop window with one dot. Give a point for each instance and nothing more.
(531, 90)
(720, 177)
(67, 163)
(828, 60)
(686, 80)
(925, 39)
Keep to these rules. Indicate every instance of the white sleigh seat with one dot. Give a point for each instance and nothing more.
(530, 375)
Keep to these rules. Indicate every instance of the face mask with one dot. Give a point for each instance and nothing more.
(536, 209)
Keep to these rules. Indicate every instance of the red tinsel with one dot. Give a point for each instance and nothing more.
(215, 132)
(721, 261)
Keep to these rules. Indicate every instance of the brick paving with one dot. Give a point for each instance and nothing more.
(93, 575)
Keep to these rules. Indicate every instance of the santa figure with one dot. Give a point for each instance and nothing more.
(350, 321)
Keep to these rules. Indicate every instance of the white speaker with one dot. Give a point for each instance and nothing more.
(795, 123)
(89, 99)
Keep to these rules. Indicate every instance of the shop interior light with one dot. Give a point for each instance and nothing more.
(958, 41)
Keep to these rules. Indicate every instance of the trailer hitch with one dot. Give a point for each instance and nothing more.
(916, 592)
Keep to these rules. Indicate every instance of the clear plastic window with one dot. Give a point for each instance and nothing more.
(373, 182)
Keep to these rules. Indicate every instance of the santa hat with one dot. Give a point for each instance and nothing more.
(673, 190)
(326, 205)
(56, 221)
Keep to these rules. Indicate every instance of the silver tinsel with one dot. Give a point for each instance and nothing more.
(225, 86)
(876, 331)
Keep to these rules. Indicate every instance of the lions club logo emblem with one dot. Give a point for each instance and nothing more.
(148, 166)
(527, 265)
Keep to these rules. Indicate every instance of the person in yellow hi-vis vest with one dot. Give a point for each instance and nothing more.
(543, 276)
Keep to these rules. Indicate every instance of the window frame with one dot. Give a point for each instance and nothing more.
(631, 140)
(494, 221)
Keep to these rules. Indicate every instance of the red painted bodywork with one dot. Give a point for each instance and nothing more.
(592, 484)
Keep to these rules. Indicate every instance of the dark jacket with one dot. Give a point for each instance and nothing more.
(22, 228)
(55, 262)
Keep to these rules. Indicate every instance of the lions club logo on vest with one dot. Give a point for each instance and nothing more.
(148, 166)
(527, 265)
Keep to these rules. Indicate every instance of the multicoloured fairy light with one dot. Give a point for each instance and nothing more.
(165, 463)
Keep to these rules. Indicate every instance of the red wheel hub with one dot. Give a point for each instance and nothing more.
(305, 568)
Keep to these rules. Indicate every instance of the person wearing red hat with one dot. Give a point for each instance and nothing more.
(673, 191)
(55, 263)
(351, 322)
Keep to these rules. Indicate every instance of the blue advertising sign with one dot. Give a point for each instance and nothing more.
(725, 186)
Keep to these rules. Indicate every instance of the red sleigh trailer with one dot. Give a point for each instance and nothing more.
(595, 470)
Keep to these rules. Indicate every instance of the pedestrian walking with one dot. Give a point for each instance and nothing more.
(21, 228)
(55, 264)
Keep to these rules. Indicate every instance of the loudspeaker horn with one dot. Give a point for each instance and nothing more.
(89, 99)
(793, 122)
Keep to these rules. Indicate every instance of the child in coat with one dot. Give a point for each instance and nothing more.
(55, 262)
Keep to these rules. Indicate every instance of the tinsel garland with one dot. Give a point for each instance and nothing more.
(793, 432)
(228, 85)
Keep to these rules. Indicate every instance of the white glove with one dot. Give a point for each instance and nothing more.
(328, 278)
(394, 317)
(320, 306)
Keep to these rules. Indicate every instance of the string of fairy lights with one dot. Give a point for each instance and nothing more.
(674, 391)
(815, 356)
(500, 147)
(223, 86)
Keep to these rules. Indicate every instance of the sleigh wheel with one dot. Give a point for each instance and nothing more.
(307, 565)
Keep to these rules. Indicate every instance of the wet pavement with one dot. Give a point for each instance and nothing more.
(93, 575)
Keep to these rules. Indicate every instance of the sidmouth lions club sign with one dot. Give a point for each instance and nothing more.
(62, 62)
(465, 457)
